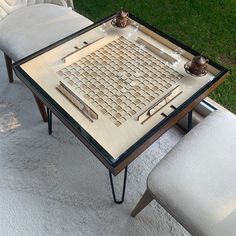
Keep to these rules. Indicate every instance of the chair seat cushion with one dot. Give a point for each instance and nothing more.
(32, 28)
(196, 180)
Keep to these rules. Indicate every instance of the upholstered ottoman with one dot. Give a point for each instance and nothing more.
(196, 180)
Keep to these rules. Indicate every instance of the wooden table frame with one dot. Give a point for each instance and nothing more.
(115, 166)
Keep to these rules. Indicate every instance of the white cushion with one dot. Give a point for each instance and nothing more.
(32, 28)
(8, 6)
(196, 180)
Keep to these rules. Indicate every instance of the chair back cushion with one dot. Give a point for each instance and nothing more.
(8, 6)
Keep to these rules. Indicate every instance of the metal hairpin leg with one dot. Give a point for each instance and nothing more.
(124, 185)
(190, 120)
(49, 112)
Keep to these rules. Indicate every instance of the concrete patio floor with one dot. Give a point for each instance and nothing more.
(52, 185)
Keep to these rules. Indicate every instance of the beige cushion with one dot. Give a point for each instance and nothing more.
(196, 181)
(8, 6)
(32, 28)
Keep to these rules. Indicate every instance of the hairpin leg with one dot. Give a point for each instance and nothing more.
(49, 112)
(124, 185)
(190, 120)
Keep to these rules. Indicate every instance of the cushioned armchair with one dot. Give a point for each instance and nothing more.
(27, 26)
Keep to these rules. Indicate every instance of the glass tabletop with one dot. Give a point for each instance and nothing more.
(116, 87)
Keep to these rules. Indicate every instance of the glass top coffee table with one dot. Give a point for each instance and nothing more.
(118, 89)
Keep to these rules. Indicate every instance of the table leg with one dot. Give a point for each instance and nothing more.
(124, 185)
(49, 112)
(41, 108)
(8, 61)
(190, 120)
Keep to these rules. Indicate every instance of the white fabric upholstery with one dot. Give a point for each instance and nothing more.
(8, 6)
(196, 180)
(32, 28)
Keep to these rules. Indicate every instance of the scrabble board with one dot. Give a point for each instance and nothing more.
(119, 80)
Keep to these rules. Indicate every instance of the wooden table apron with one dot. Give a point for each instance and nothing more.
(116, 166)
